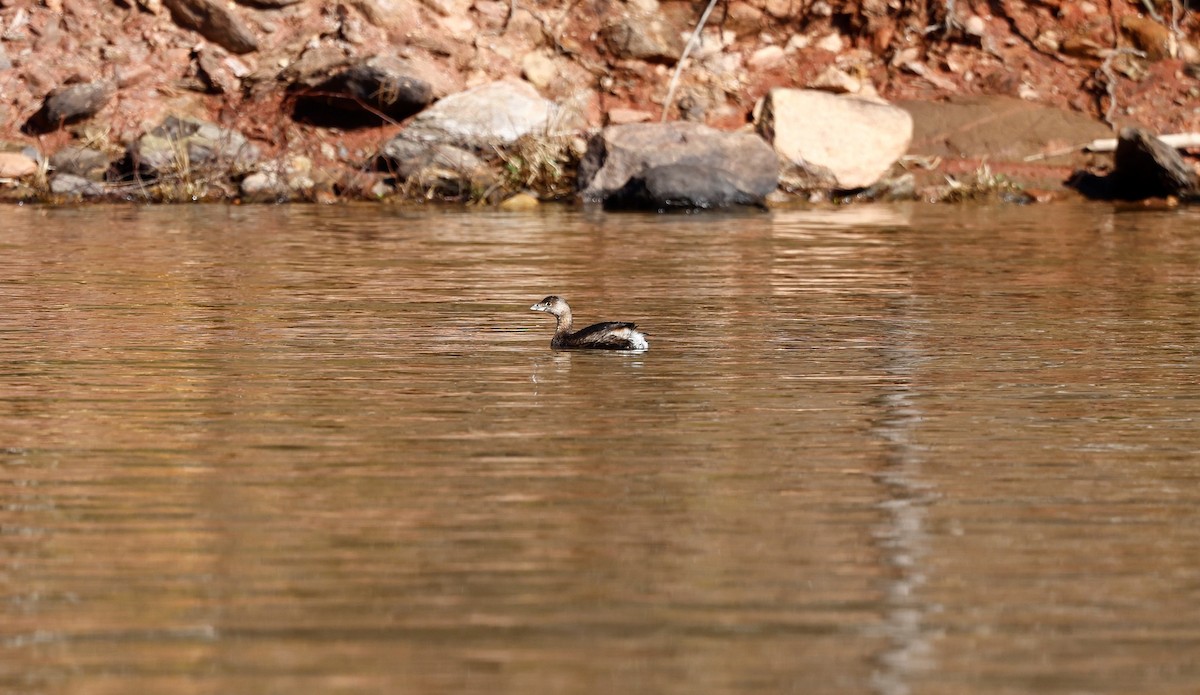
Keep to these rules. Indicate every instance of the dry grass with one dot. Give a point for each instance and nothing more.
(542, 164)
(982, 185)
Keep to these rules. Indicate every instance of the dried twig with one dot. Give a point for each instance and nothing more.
(1110, 80)
(1176, 140)
(687, 49)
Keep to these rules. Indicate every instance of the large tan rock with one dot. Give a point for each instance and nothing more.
(1001, 128)
(851, 140)
(14, 165)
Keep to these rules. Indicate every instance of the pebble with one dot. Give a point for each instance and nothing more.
(520, 202)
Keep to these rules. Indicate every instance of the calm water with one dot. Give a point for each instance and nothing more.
(328, 450)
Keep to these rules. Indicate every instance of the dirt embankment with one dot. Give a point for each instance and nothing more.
(1116, 63)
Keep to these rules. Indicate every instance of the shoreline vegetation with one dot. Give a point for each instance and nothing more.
(626, 103)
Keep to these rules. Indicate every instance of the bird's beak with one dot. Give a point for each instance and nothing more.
(538, 307)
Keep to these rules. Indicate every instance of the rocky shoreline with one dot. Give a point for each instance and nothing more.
(510, 104)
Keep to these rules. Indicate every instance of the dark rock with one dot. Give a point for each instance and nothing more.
(1143, 167)
(369, 93)
(620, 153)
(214, 22)
(681, 187)
(1146, 167)
(79, 161)
(69, 104)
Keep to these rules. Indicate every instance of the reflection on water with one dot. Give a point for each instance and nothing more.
(880, 449)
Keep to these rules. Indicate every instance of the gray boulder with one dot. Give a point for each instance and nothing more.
(680, 164)
(81, 161)
(410, 158)
(182, 145)
(847, 142)
(440, 149)
(76, 186)
(492, 114)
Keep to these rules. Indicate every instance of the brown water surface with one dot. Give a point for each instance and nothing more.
(328, 450)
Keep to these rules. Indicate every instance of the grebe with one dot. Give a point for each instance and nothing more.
(610, 335)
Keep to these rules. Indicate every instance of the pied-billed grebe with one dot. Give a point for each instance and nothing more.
(610, 335)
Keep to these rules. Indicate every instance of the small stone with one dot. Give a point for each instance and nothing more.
(1048, 41)
(520, 202)
(837, 81)
(975, 26)
(130, 75)
(798, 42)
(258, 184)
(299, 165)
(832, 43)
(621, 116)
(780, 8)
(381, 189)
(449, 8)
(1189, 53)
(539, 69)
(766, 58)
